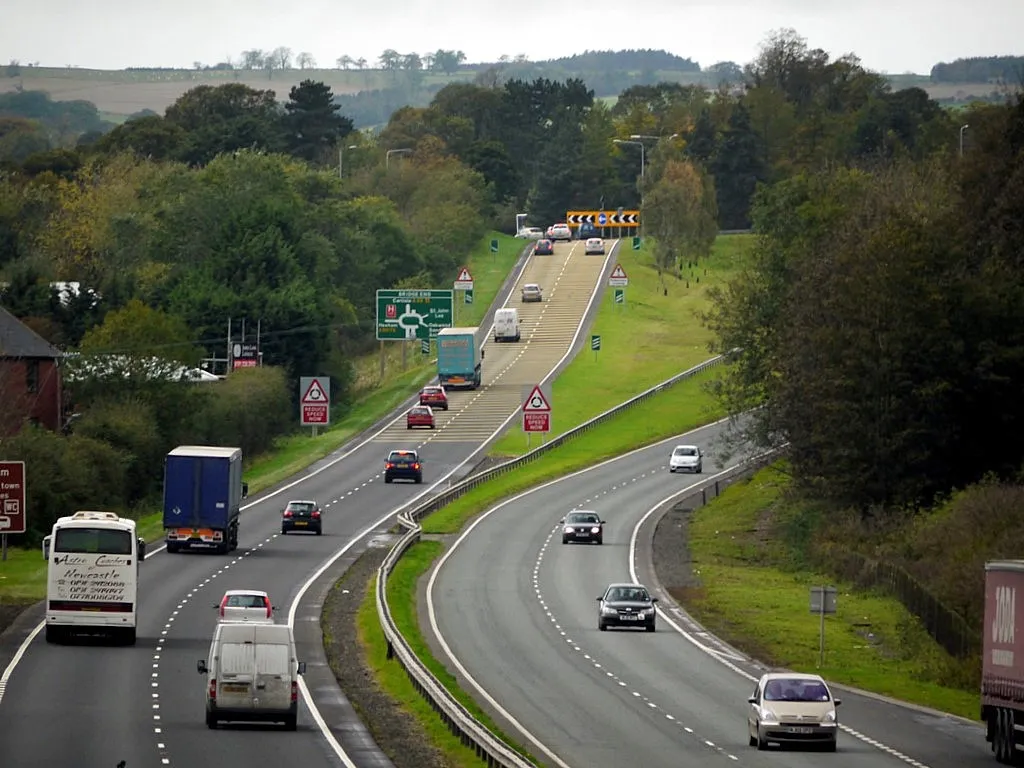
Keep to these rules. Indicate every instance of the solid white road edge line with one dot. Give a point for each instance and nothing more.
(39, 627)
(483, 516)
(717, 655)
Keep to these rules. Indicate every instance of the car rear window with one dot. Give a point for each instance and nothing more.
(402, 456)
(420, 411)
(300, 507)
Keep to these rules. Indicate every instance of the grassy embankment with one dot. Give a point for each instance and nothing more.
(654, 337)
(23, 575)
(749, 550)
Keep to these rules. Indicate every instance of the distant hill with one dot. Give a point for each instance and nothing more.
(369, 96)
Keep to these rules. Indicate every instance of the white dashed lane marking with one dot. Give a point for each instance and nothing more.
(161, 745)
(637, 694)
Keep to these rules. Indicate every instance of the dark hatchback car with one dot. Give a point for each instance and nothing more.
(302, 516)
(583, 526)
(544, 248)
(626, 605)
(403, 465)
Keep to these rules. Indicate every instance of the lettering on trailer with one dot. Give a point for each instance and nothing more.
(1003, 625)
(620, 218)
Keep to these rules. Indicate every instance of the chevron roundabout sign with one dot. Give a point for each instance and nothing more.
(603, 218)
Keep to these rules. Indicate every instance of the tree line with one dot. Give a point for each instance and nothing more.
(227, 207)
(231, 205)
(980, 69)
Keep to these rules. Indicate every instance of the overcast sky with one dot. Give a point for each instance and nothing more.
(889, 35)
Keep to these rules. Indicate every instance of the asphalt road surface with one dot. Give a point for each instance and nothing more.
(517, 609)
(91, 706)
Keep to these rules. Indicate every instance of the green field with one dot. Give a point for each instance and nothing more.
(23, 575)
(643, 342)
(754, 593)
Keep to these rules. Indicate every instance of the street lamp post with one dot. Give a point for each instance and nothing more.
(341, 155)
(963, 128)
(390, 152)
(641, 145)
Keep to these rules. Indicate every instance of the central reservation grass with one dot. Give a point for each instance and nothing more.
(23, 574)
(655, 334)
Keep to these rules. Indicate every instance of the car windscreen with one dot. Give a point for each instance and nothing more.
(795, 690)
(684, 452)
(583, 519)
(93, 541)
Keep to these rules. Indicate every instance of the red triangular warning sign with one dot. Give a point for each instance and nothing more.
(536, 402)
(464, 276)
(315, 394)
(618, 271)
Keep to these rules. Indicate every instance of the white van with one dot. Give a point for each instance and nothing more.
(506, 324)
(252, 675)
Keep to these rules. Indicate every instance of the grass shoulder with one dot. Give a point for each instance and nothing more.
(751, 587)
(655, 334)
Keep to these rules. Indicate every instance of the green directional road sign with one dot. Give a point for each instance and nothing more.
(595, 343)
(412, 314)
(469, 297)
(620, 296)
(425, 346)
(636, 243)
(494, 246)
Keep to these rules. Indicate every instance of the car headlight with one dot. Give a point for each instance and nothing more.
(830, 717)
(595, 529)
(648, 611)
(567, 529)
(607, 610)
(767, 716)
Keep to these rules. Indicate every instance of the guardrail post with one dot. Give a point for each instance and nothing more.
(717, 492)
(391, 651)
(703, 496)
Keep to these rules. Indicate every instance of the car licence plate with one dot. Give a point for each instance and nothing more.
(301, 522)
(234, 687)
(582, 533)
(799, 729)
(629, 617)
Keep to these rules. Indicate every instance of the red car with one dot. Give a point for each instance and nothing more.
(435, 397)
(419, 416)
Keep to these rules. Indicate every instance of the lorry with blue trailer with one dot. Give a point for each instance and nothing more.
(203, 492)
(459, 358)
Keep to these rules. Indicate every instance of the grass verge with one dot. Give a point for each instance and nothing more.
(655, 334)
(684, 407)
(402, 583)
(753, 592)
(23, 574)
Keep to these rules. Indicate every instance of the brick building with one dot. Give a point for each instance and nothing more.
(30, 380)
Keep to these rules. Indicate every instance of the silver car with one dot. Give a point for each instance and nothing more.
(530, 233)
(593, 245)
(792, 708)
(532, 292)
(686, 458)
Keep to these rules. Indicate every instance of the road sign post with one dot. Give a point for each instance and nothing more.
(467, 297)
(536, 410)
(412, 314)
(620, 296)
(636, 243)
(595, 344)
(425, 346)
(315, 401)
(494, 246)
(12, 501)
(823, 601)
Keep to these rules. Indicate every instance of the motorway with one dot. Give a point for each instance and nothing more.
(513, 615)
(93, 705)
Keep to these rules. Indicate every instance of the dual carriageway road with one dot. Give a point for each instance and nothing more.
(513, 615)
(91, 706)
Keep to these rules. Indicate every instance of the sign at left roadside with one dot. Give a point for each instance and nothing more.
(315, 400)
(12, 497)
